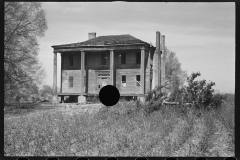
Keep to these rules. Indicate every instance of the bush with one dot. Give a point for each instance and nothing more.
(153, 105)
(197, 92)
(155, 94)
(177, 95)
(217, 100)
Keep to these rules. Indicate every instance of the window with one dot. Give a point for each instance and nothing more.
(123, 58)
(70, 81)
(123, 82)
(70, 60)
(103, 58)
(138, 57)
(138, 80)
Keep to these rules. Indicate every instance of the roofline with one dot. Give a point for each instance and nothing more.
(106, 48)
(86, 46)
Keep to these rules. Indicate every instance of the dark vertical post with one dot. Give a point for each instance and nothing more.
(82, 71)
(112, 67)
(55, 79)
(142, 79)
(61, 73)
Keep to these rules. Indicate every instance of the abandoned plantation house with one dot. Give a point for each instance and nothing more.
(133, 66)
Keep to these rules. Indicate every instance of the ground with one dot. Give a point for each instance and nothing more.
(121, 130)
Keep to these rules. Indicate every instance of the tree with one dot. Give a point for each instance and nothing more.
(23, 23)
(173, 71)
(29, 92)
(46, 92)
(173, 74)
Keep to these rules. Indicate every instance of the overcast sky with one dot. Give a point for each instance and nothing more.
(201, 34)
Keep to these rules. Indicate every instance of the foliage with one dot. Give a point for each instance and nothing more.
(113, 132)
(154, 100)
(46, 92)
(31, 90)
(155, 94)
(173, 71)
(23, 23)
(197, 92)
(28, 92)
(217, 100)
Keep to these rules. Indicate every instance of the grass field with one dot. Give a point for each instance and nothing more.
(122, 130)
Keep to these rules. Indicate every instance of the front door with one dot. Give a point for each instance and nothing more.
(103, 80)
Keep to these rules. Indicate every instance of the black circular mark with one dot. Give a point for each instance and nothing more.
(109, 95)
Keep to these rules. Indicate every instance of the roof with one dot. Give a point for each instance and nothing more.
(125, 39)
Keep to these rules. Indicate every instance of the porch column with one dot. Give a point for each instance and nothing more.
(55, 98)
(149, 70)
(142, 79)
(82, 71)
(112, 67)
(61, 73)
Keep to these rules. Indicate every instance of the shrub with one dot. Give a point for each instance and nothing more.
(152, 106)
(197, 92)
(217, 100)
(155, 94)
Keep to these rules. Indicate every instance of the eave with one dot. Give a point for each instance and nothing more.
(101, 47)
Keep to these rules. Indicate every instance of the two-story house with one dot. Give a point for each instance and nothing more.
(120, 60)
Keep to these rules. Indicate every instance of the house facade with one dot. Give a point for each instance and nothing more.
(119, 60)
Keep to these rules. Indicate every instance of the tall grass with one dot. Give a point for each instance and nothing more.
(122, 130)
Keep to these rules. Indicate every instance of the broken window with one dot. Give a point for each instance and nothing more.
(70, 81)
(70, 60)
(103, 58)
(138, 57)
(123, 82)
(137, 80)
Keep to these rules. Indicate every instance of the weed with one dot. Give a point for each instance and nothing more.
(120, 130)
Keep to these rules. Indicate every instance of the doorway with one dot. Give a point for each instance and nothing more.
(103, 80)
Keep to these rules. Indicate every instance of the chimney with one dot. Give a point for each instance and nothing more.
(91, 35)
(163, 57)
(156, 81)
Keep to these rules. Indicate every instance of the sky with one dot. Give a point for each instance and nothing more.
(201, 34)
